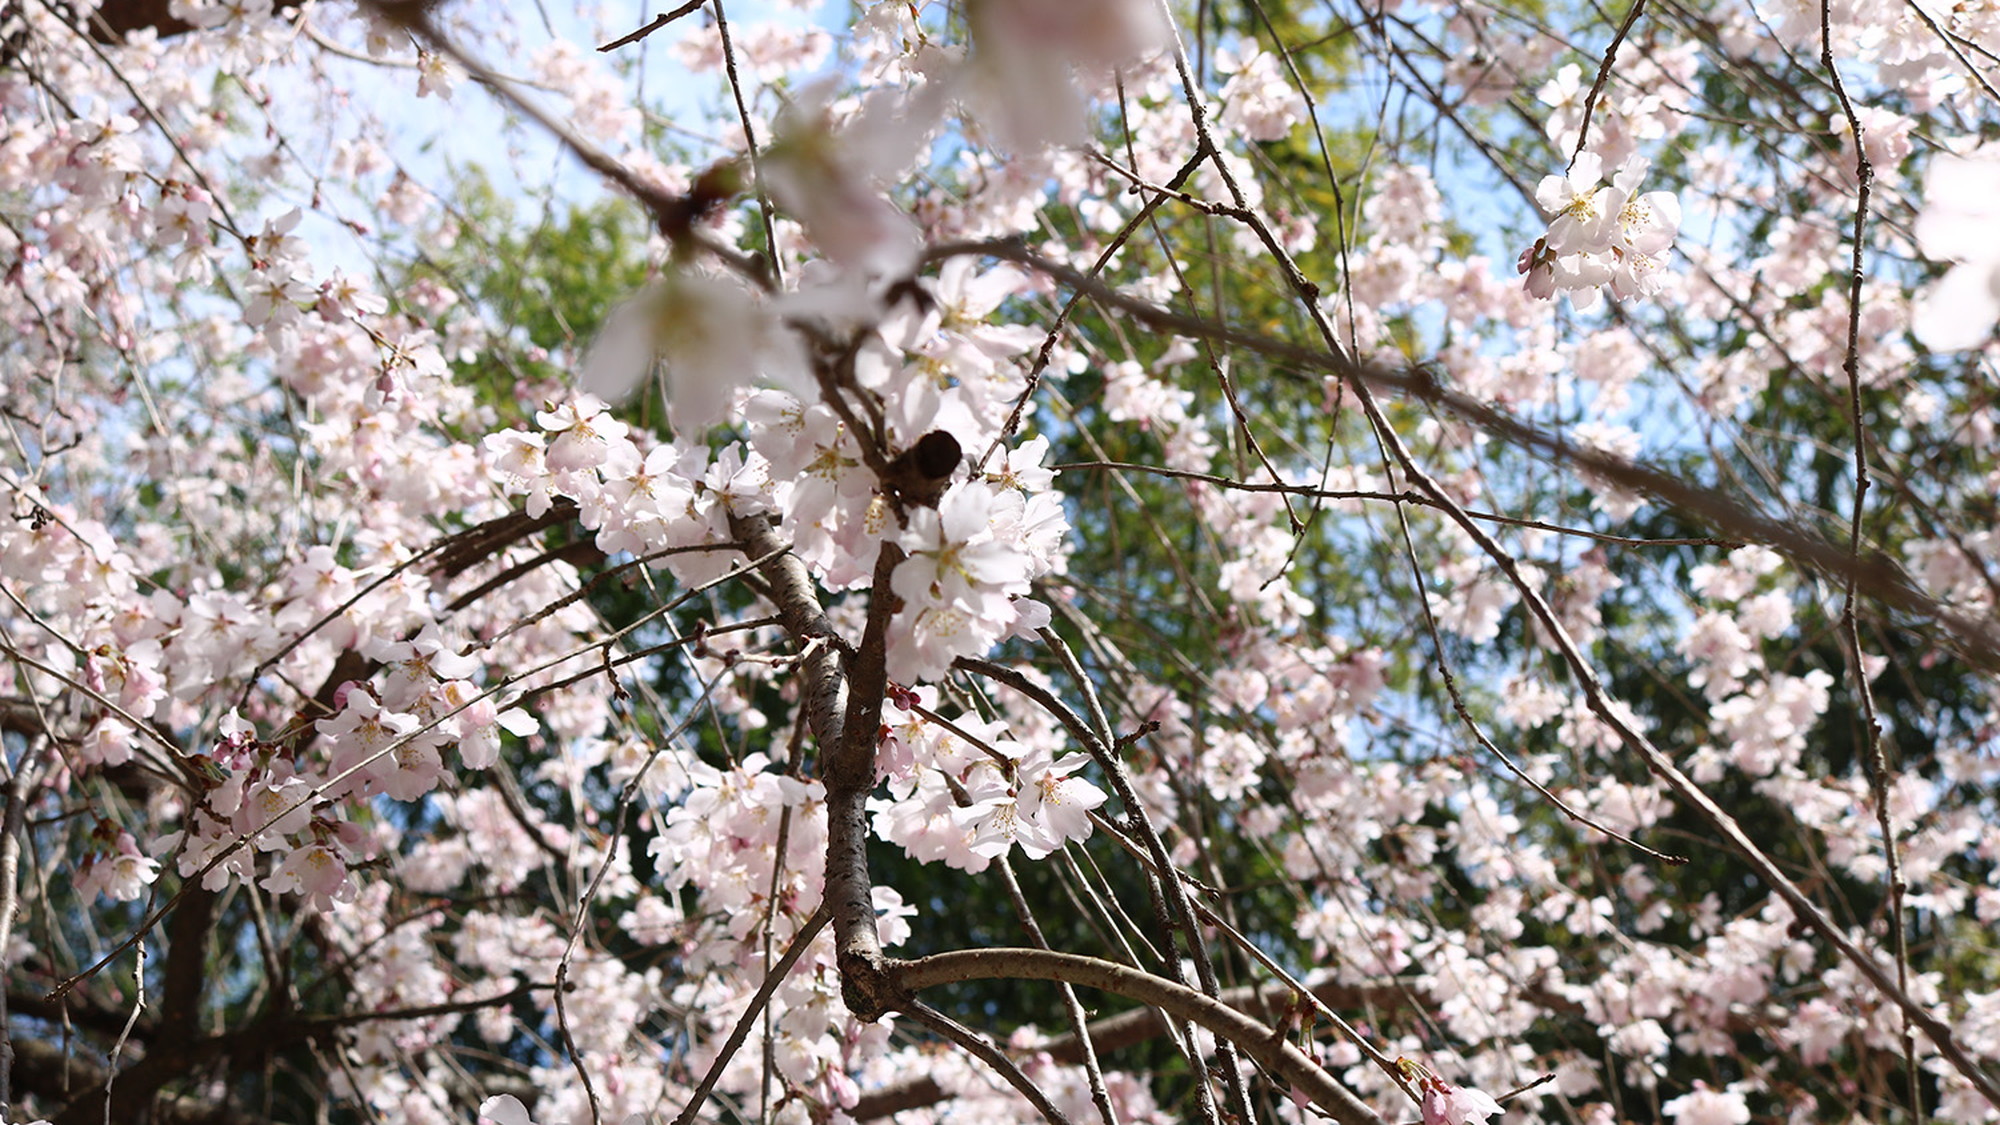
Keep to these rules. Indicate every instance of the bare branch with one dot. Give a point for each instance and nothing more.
(1265, 1002)
(655, 24)
(979, 1047)
(1274, 1052)
(801, 941)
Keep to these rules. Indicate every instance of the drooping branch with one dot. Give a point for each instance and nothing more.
(979, 1047)
(1170, 899)
(1271, 1048)
(176, 1046)
(1266, 1002)
(1086, 1047)
(1977, 641)
(673, 213)
(1600, 703)
(801, 941)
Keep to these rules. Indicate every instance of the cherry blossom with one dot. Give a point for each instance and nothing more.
(316, 872)
(1053, 800)
(711, 335)
(1021, 73)
(954, 559)
(1581, 213)
(830, 177)
(488, 612)
(121, 876)
(1597, 236)
(505, 1109)
(1445, 1104)
(1957, 225)
(1703, 1106)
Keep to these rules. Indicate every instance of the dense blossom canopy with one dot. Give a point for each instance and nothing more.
(1000, 560)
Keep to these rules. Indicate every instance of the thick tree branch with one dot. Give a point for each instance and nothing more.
(843, 721)
(849, 776)
(170, 1057)
(186, 973)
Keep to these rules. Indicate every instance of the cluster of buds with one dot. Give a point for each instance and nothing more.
(1600, 235)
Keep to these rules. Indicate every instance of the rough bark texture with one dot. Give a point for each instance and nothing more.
(843, 708)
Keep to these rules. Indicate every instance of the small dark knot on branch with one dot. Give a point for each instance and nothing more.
(869, 988)
(920, 473)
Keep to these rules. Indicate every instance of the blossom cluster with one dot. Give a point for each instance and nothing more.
(969, 560)
(964, 792)
(1611, 236)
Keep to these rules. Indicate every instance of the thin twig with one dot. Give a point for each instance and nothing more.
(800, 942)
(138, 1005)
(979, 1047)
(1872, 752)
(1275, 1053)
(1406, 496)
(1603, 74)
(657, 22)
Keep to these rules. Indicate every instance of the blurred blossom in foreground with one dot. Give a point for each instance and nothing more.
(1961, 223)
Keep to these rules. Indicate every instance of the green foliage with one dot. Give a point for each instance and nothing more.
(551, 282)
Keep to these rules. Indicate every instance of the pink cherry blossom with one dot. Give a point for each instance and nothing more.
(1704, 1106)
(1445, 1104)
(121, 876)
(315, 872)
(1581, 213)
(1389, 611)
(1957, 223)
(505, 1109)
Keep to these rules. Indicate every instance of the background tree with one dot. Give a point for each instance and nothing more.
(1007, 561)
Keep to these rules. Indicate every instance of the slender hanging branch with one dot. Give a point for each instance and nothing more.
(1274, 1052)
